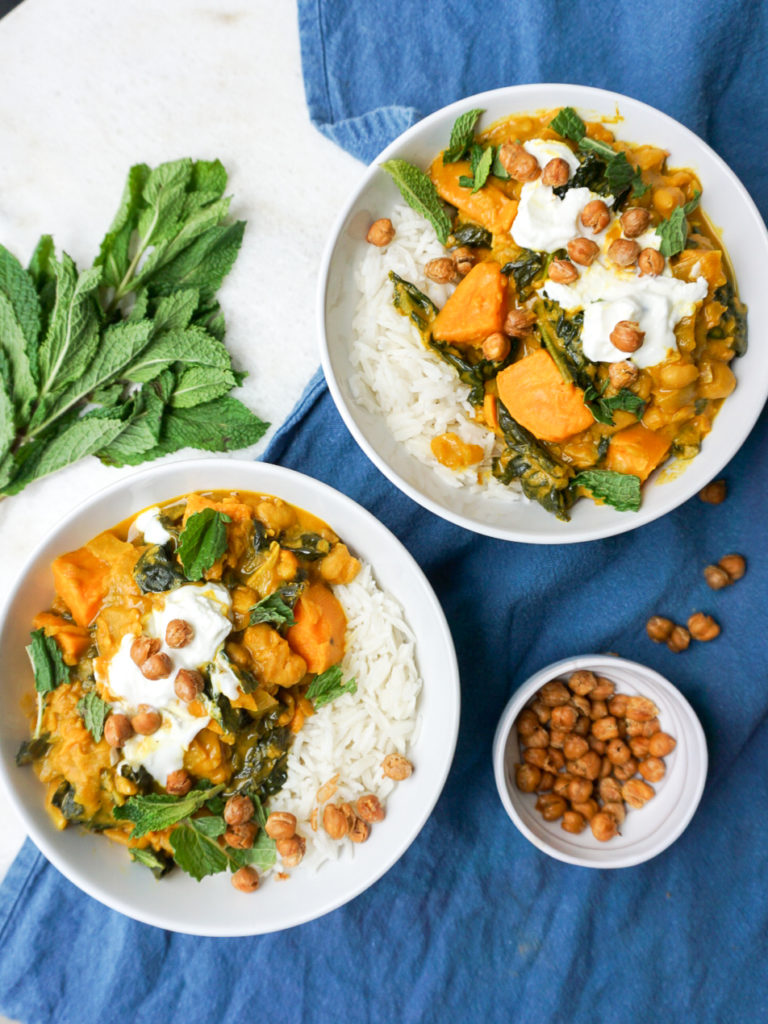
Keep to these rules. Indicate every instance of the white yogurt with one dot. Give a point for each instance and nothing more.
(206, 607)
(163, 751)
(148, 524)
(223, 679)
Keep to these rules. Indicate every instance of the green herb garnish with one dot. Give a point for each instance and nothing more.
(621, 490)
(47, 662)
(619, 173)
(202, 541)
(673, 231)
(462, 133)
(420, 194)
(328, 686)
(157, 811)
(94, 712)
(274, 610)
(480, 164)
(158, 864)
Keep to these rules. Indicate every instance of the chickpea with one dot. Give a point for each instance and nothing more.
(618, 752)
(625, 771)
(241, 837)
(604, 826)
(606, 767)
(335, 821)
(527, 777)
(603, 689)
(562, 272)
(381, 232)
(397, 767)
(626, 336)
(556, 758)
(561, 783)
(583, 251)
(579, 790)
(637, 793)
(179, 633)
(596, 215)
(238, 809)
(188, 684)
(518, 322)
(624, 252)
(441, 270)
(144, 647)
(717, 577)
(554, 694)
(583, 725)
(157, 666)
(703, 627)
(679, 639)
(650, 262)
(588, 808)
(464, 260)
(661, 744)
(640, 746)
(359, 831)
(617, 705)
(587, 766)
(538, 738)
(582, 705)
(605, 728)
(556, 173)
(582, 682)
(551, 806)
(542, 712)
(147, 721)
(617, 809)
(557, 737)
(595, 744)
(573, 822)
(634, 221)
(280, 825)
(245, 879)
(714, 493)
(641, 709)
(117, 729)
(537, 757)
(564, 717)
(527, 722)
(518, 163)
(652, 769)
(667, 198)
(547, 782)
(659, 629)
(622, 375)
(369, 808)
(291, 850)
(496, 347)
(575, 747)
(178, 783)
(598, 710)
(610, 790)
(734, 565)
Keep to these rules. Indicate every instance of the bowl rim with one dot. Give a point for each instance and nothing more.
(601, 663)
(45, 839)
(580, 96)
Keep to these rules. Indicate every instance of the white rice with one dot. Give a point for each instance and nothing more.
(352, 735)
(417, 392)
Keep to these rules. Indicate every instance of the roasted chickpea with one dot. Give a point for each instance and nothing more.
(178, 783)
(573, 822)
(368, 807)
(587, 766)
(579, 790)
(526, 723)
(617, 809)
(650, 263)
(625, 771)
(538, 738)
(661, 744)
(381, 232)
(583, 725)
(617, 752)
(238, 809)
(241, 837)
(624, 252)
(598, 710)
(626, 336)
(634, 221)
(575, 747)
(595, 744)
(537, 757)
(518, 163)
(679, 639)
(546, 783)
(652, 769)
(582, 705)
(605, 728)
(562, 272)
(583, 251)
(703, 627)
(291, 850)
(554, 694)
(527, 777)
(564, 717)
(551, 806)
(441, 270)
(245, 879)
(188, 684)
(179, 633)
(617, 705)
(641, 709)
(622, 375)
(717, 577)
(496, 347)
(640, 746)
(280, 825)
(464, 259)
(117, 729)
(146, 721)
(557, 737)
(596, 215)
(659, 629)
(561, 782)
(542, 712)
(582, 682)
(637, 793)
(588, 808)
(556, 173)
(604, 688)
(605, 766)
(157, 666)
(610, 790)
(359, 831)
(144, 647)
(734, 565)
(714, 493)
(335, 821)
(397, 767)
(604, 826)
(518, 322)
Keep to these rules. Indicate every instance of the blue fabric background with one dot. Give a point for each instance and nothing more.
(474, 924)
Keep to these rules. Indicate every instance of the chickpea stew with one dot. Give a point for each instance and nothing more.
(184, 650)
(594, 316)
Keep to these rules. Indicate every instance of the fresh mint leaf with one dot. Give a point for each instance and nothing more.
(47, 662)
(94, 711)
(158, 864)
(212, 826)
(142, 429)
(209, 176)
(202, 541)
(498, 170)
(626, 400)
(114, 252)
(192, 346)
(420, 194)
(7, 423)
(568, 124)
(157, 811)
(175, 311)
(204, 264)
(262, 855)
(328, 686)
(17, 286)
(196, 853)
(462, 133)
(201, 384)
(621, 490)
(483, 169)
(274, 610)
(673, 231)
(596, 146)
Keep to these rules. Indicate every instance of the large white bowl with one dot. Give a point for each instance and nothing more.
(212, 907)
(725, 200)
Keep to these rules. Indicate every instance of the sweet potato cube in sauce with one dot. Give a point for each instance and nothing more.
(477, 307)
(536, 395)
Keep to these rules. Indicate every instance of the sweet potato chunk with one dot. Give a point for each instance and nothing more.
(636, 450)
(476, 309)
(540, 400)
(81, 581)
(489, 206)
(73, 640)
(318, 635)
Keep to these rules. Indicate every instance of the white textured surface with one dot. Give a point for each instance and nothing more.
(142, 81)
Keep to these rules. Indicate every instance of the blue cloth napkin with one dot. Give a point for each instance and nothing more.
(474, 924)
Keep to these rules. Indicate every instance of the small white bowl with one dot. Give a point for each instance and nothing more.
(645, 832)
(212, 907)
(729, 207)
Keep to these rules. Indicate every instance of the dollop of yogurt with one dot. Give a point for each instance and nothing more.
(148, 524)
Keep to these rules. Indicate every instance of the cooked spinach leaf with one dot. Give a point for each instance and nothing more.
(156, 572)
(733, 322)
(140, 777)
(474, 375)
(411, 302)
(617, 176)
(31, 750)
(64, 799)
(259, 758)
(202, 541)
(158, 863)
(329, 685)
(310, 546)
(473, 235)
(621, 490)
(589, 174)
(274, 610)
(524, 271)
(525, 459)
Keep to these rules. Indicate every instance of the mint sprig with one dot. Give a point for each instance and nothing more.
(462, 134)
(202, 541)
(94, 711)
(481, 161)
(674, 230)
(274, 610)
(157, 811)
(621, 490)
(329, 685)
(47, 662)
(420, 194)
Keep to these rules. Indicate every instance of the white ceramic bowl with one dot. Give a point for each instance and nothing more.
(212, 907)
(725, 200)
(645, 832)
